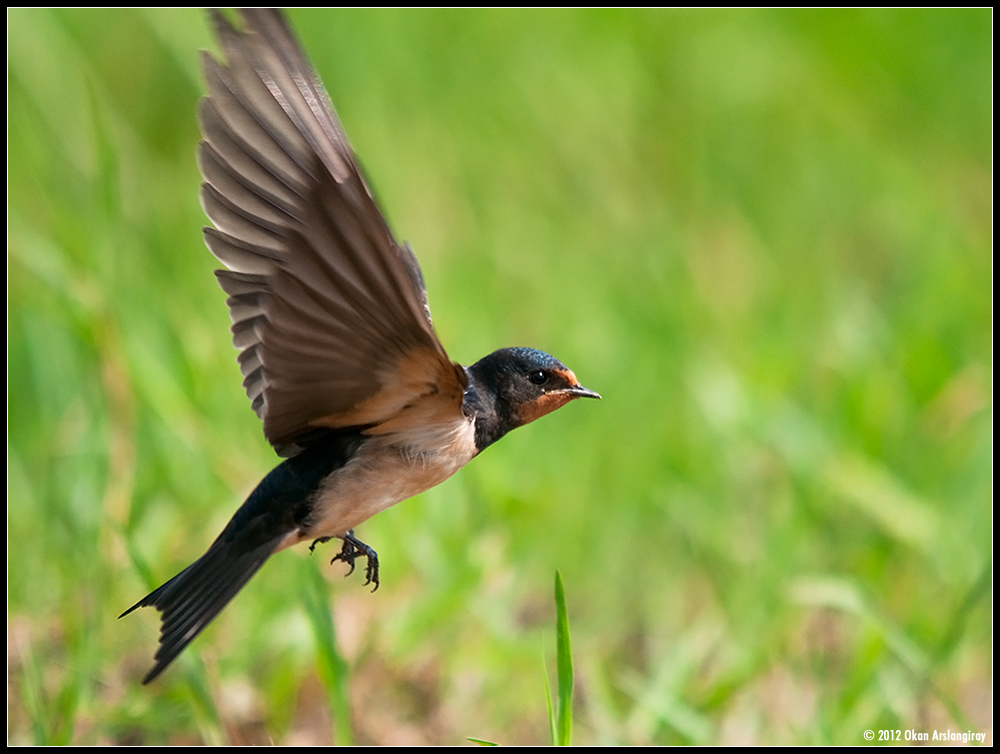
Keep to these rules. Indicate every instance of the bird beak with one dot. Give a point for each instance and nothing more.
(579, 391)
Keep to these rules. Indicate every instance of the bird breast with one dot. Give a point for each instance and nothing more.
(387, 469)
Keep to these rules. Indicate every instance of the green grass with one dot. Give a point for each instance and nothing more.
(561, 718)
(764, 237)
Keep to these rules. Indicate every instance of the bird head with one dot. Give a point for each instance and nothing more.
(525, 384)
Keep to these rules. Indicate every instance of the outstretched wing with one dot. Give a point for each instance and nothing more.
(329, 312)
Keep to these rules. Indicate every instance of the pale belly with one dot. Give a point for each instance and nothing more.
(382, 474)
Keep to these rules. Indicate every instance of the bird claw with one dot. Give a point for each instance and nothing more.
(320, 541)
(352, 549)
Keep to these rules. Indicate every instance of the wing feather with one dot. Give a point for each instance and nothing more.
(329, 312)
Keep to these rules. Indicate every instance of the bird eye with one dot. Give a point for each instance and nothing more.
(538, 377)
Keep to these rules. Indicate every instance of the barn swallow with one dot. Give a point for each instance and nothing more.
(330, 318)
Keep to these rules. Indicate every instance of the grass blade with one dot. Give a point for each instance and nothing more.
(563, 728)
(332, 666)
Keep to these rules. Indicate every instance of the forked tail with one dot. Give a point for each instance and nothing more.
(192, 598)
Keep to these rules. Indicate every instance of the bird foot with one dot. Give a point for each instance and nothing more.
(352, 549)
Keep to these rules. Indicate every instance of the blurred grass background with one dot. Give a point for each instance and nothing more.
(765, 237)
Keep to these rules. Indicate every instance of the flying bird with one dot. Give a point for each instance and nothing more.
(330, 317)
